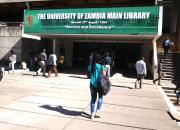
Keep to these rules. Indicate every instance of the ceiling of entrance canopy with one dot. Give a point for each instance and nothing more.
(103, 38)
(12, 10)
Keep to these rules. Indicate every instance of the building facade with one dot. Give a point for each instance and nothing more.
(124, 45)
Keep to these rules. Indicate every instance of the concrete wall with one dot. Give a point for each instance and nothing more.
(10, 31)
(10, 39)
(10, 1)
(148, 55)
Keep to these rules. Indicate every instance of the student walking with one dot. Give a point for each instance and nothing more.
(52, 64)
(166, 46)
(12, 62)
(42, 60)
(95, 72)
(159, 73)
(141, 71)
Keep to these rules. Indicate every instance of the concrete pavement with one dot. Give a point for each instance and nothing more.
(29, 102)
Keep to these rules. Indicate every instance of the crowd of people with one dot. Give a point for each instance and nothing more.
(38, 63)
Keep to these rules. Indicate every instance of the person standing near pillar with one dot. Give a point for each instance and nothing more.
(159, 73)
(52, 64)
(12, 62)
(141, 71)
(108, 62)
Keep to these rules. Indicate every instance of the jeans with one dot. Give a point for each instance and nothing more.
(158, 78)
(11, 65)
(94, 93)
(166, 52)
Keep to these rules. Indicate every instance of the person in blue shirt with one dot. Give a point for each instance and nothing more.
(95, 72)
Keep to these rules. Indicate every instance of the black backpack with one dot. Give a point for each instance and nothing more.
(104, 85)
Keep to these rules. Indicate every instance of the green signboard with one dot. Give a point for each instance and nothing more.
(129, 20)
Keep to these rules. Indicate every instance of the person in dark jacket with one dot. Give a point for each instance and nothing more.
(42, 61)
(166, 46)
(177, 92)
(159, 73)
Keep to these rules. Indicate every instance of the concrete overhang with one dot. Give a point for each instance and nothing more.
(16, 1)
(113, 38)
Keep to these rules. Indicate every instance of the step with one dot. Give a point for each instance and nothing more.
(169, 88)
(173, 100)
(168, 67)
(171, 95)
(176, 81)
(168, 63)
(168, 91)
(169, 79)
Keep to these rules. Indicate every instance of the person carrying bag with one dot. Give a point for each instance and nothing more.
(104, 85)
(95, 70)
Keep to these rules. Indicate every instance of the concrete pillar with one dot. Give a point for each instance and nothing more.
(174, 17)
(68, 54)
(155, 58)
(54, 45)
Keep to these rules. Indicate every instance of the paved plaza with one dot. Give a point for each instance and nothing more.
(29, 102)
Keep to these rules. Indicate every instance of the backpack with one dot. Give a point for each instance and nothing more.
(104, 85)
(166, 43)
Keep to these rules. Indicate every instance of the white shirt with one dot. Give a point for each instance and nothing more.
(24, 65)
(52, 59)
(141, 67)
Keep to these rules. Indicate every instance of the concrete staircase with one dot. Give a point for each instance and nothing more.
(171, 68)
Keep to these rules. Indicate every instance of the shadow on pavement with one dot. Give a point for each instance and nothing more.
(66, 111)
(79, 77)
(121, 86)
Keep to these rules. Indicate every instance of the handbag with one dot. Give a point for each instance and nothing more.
(104, 85)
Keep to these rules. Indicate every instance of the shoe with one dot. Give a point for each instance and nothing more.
(37, 73)
(92, 116)
(135, 85)
(154, 82)
(97, 115)
(159, 84)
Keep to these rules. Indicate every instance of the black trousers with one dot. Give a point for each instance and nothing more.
(139, 80)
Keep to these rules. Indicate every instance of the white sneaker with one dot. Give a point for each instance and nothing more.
(97, 115)
(92, 116)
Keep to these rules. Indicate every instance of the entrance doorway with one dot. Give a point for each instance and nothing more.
(124, 55)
